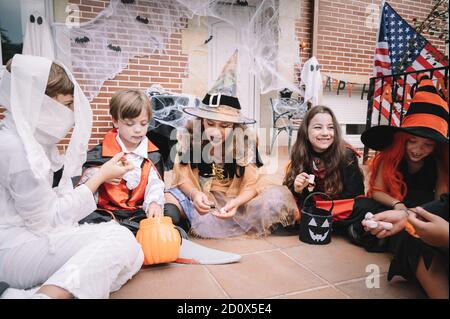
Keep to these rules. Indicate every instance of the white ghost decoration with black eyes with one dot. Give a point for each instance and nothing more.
(38, 39)
(312, 79)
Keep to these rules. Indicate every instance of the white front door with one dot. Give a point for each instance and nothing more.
(222, 46)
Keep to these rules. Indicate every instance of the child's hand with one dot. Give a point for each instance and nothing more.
(431, 228)
(201, 202)
(228, 211)
(154, 210)
(396, 217)
(114, 181)
(300, 182)
(112, 169)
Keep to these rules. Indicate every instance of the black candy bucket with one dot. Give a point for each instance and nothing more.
(315, 223)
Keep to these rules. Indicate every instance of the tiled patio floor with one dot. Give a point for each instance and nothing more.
(273, 267)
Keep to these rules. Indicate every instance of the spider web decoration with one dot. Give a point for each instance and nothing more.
(115, 36)
(143, 27)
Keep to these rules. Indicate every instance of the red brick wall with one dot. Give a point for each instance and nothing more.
(303, 30)
(141, 73)
(346, 44)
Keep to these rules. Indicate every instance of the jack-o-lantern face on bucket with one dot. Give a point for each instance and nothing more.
(315, 229)
(318, 228)
(315, 223)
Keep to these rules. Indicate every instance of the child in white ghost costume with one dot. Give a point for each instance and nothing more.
(41, 243)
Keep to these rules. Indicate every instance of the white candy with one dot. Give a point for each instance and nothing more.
(369, 215)
(371, 224)
(311, 183)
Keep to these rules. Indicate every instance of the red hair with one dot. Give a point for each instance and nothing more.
(391, 157)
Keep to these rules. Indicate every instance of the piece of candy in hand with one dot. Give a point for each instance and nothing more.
(311, 182)
(371, 224)
(369, 215)
(122, 161)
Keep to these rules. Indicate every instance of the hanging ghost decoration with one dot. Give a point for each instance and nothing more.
(312, 79)
(315, 223)
(38, 39)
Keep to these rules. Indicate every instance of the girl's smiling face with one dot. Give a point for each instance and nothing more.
(217, 132)
(321, 132)
(418, 148)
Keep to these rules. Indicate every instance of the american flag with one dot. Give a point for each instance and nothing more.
(400, 49)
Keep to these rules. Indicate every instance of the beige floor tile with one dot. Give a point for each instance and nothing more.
(339, 260)
(266, 272)
(263, 275)
(237, 245)
(171, 282)
(324, 293)
(395, 289)
(284, 241)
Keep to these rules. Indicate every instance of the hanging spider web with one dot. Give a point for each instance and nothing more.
(101, 48)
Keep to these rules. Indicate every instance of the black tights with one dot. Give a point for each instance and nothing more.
(172, 211)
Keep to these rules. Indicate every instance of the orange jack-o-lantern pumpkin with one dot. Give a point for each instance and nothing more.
(159, 239)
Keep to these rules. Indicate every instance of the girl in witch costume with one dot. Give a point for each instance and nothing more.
(321, 161)
(411, 168)
(41, 243)
(216, 184)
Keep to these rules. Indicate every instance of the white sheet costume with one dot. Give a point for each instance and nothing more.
(41, 242)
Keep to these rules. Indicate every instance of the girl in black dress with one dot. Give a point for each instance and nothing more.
(320, 151)
(410, 170)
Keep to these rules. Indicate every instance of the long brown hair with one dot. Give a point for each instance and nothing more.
(333, 158)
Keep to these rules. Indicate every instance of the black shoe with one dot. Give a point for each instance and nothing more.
(3, 287)
(182, 232)
(280, 230)
(355, 233)
(360, 237)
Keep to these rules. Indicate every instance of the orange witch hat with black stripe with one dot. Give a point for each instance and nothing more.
(427, 117)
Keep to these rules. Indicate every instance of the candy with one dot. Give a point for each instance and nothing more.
(371, 224)
(369, 215)
(311, 182)
(122, 161)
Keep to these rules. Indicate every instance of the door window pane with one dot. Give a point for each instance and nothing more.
(10, 29)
